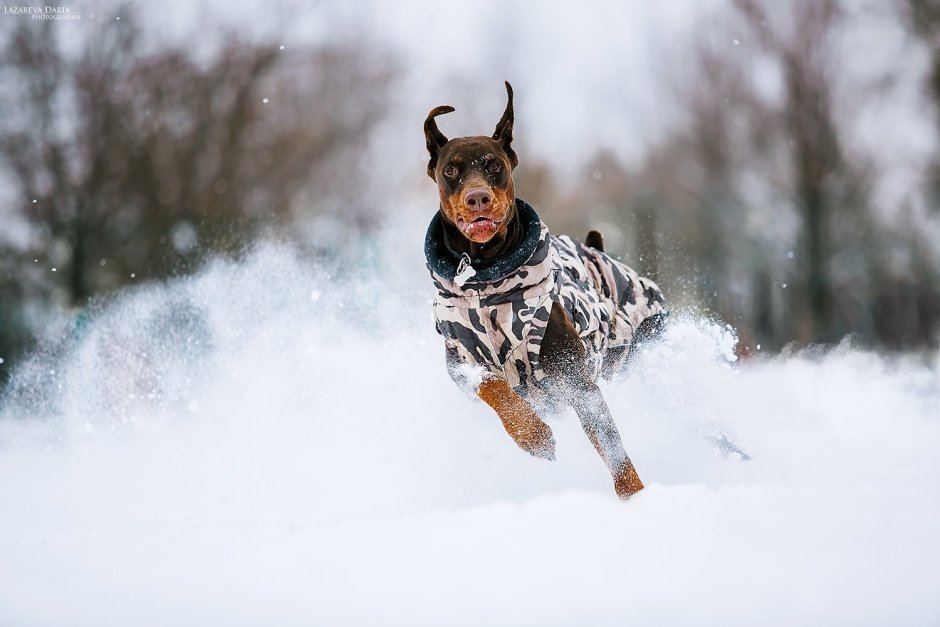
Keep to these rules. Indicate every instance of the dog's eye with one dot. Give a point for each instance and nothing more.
(450, 171)
(495, 167)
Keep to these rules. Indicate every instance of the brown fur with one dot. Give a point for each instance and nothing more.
(521, 422)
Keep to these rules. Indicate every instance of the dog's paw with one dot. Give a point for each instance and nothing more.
(627, 482)
(532, 435)
(541, 443)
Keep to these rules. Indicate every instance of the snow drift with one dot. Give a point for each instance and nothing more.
(264, 444)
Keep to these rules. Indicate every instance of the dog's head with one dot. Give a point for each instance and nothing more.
(474, 175)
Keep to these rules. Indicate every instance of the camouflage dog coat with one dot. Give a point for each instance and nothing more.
(494, 313)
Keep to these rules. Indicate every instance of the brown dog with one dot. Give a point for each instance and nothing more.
(483, 225)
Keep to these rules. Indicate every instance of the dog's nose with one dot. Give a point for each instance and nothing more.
(477, 198)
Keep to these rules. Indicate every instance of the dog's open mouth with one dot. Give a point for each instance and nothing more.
(479, 226)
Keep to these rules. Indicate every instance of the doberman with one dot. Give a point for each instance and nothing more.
(480, 220)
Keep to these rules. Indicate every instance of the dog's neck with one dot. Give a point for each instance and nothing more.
(498, 246)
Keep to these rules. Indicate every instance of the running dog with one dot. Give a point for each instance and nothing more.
(530, 320)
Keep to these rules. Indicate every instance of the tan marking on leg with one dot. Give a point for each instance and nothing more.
(519, 419)
(627, 482)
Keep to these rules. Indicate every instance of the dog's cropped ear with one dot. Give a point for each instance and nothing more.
(503, 132)
(434, 137)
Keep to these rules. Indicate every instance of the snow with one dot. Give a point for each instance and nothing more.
(228, 449)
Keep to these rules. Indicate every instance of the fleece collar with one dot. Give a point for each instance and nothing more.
(445, 263)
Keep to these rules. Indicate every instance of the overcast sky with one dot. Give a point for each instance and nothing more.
(587, 74)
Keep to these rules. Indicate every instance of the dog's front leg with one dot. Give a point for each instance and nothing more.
(563, 358)
(598, 424)
(520, 420)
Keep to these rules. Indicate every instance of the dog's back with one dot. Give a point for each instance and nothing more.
(606, 300)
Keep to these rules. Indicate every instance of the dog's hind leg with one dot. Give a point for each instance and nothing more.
(652, 329)
(725, 447)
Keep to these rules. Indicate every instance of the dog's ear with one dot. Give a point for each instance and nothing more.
(434, 137)
(503, 132)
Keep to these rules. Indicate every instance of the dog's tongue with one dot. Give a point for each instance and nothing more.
(480, 227)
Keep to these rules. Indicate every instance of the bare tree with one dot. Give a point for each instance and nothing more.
(923, 17)
(134, 163)
(823, 178)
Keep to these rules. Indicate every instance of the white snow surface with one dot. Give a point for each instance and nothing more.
(265, 445)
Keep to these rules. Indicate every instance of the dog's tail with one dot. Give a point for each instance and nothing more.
(595, 240)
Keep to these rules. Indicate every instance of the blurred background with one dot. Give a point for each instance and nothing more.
(774, 164)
